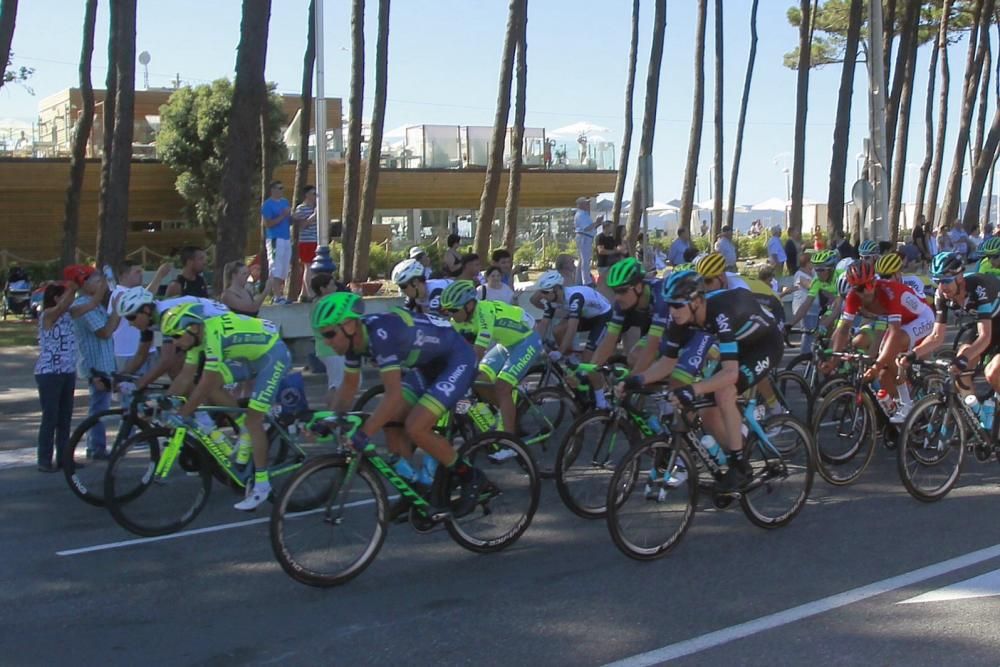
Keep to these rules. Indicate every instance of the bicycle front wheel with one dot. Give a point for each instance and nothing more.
(594, 446)
(335, 539)
(543, 419)
(652, 498)
(507, 501)
(148, 503)
(930, 452)
(84, 473)
(845, 432)
(783, 470)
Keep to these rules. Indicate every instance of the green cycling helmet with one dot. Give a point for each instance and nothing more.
(947, 264)
(176, 321)
(990, 247)
(337, 308)
(868, 248)
(457, 294)
(825, 259)
(625, 272)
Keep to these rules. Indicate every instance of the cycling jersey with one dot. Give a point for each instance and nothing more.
(497, 322)
(232, 338)
(893, 300)
(433, 300)
(651, 320)
(982, 296)
(985, 266)
(580, 303)
(209, 307)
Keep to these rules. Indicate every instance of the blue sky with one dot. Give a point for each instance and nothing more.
(444, 63)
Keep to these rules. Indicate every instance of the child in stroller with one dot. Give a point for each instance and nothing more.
(16, 293)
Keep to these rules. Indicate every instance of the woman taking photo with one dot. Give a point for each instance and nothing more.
(236, 295)
(55, 373)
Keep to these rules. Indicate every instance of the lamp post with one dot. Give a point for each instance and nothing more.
(322, 263)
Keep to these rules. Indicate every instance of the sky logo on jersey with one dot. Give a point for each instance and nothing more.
(722, 323)
(762, 366)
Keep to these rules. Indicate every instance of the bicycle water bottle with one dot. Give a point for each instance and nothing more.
(886, 401)
(972, 403)
(427, 470)
(653, 422)
(986, 414)
(482, 416)
(713, 449)
(405, 470)
(219, 438)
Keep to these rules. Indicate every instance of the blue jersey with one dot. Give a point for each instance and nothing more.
(651, 320)
(402, 339)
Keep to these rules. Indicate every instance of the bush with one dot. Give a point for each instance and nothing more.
(381, 261)
(526, 255)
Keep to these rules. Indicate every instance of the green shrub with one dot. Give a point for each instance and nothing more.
(381, 261)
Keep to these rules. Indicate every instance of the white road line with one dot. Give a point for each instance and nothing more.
(726, 635)
(188, 533)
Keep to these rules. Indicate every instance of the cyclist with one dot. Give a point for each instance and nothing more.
(890, 267)
(990, 249)
(750, 344)
(908, 317)
(869, 250)
(506, 343)
(978, 293)
(586, 310)
(440, 367)
(236, 348)
(422, 295)
(824, 288)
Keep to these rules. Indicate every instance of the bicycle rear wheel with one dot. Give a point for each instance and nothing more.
(845, 431)
(148, 504)
(543, 419)
(586, 460)
(651, 498)
(507, 502)
(782, 472)
(930, 452)
(85, 475)
(336, 538)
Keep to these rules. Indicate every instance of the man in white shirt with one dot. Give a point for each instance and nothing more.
(725, 247)
(585, 230)
(776, 250)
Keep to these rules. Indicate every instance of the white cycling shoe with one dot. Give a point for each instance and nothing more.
(255, 497)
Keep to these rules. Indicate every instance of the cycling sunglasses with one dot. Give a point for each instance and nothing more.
(676, 305)
(863, 288)
(623, 290)
(131, 318)
(330, 334)
(945, 280)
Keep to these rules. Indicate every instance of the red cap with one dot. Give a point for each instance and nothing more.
(77, 273)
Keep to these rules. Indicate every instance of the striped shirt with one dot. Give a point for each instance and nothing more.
(307, 234)
(95, 353)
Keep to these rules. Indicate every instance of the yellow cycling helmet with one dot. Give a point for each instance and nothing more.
(711, 265)
(889, 265)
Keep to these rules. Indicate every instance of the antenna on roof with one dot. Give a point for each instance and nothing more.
(144, 59)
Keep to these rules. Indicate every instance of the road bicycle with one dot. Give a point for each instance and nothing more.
(330, 521)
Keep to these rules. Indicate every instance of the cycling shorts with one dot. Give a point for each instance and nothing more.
(756, 361)
(511, 364)
(595, 327)
(266, 372)
(439, 385)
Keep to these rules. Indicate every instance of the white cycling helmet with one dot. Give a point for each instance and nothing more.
(406, 271)
(133, 299)
(549, 279)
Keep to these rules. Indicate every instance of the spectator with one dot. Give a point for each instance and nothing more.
(190, 281)
(920, 239)
(801, 281)
(585, 228)
(417, 253)
(323, 284)
(237, 295)
(944, 239)
(566, 266)
(502, 259)
(470, 267)
(844, 247)
(451, 263)
(724, 246)
(793, 248)
(676, 254)
(958, 238)
(132, 354)
(95, 327)
(276, 216)
(608, 250)
(776, 250)
(766, 275)
(495, 289)
(55, 373)
(689, 254)
(305, 217)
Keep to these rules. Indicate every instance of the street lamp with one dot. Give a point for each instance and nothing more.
(322, 263)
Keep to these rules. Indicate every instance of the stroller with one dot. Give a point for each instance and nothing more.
(16, 294)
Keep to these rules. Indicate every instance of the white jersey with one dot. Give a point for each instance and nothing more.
(581, 303)
(915, 284)
(210, 307)
(736, 282)
(434, 289)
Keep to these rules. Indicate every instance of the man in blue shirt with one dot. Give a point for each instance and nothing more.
(276, 216)
(677, 248)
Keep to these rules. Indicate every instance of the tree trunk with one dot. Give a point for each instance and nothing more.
(717, 121)
(888, 33)
(925, 166)
(697, 112)
(987, 156)
(984, 100)
(898, 176)
(988, 215)
(364, 232)
(982, 12)
(302, 159)
(623, 157)
(249, 97)
(842, 125)
(112, 233)
(911, 18)
(108, 115)
(494, 166)
(8, 17)
(81, 137)
(352, 157)
(738, 146)
(267, 159)
(801, 110)
(517, 135)
(936, 166)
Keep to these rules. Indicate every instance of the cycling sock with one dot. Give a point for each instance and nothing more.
(260, 478)
(904, 394)
(204, 420)
(769, 401)
(736, 460)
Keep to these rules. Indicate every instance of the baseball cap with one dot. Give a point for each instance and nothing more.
(416, 251)
(77, 273)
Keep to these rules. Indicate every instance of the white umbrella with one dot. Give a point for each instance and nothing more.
(576, 129)
(772, 204)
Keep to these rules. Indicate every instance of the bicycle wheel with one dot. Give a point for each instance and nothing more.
(543, 419)
(929, 458)
(794, 394)
(646, 520)
(337, 538)
(782, 472)
(593, 447)
(845, 431)
(367, 401)
(507, 503)
(148, 504)
(800, 363)
(84, 475)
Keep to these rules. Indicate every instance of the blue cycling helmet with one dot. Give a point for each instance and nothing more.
(682, 286)
(868, 248)
(947, 264)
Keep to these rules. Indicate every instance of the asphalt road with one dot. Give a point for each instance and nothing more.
(830, 588)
